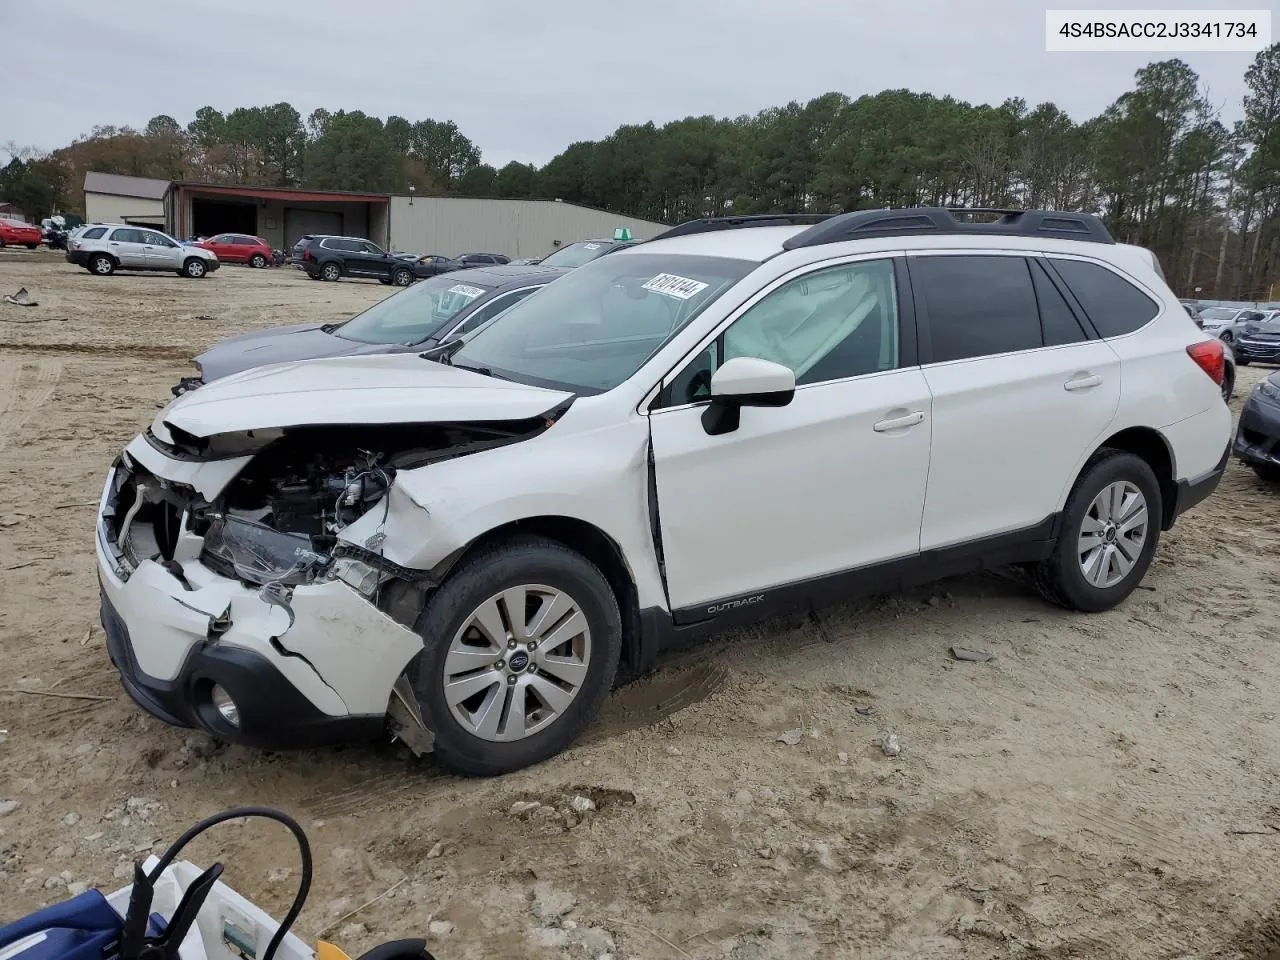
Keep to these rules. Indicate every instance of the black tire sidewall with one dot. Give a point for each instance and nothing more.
(525, 560)
(1105, 470)
(1267, 472)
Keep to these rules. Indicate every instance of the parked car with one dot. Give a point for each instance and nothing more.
(524, 261)
(103, 249)
(584, 251)
(15, 233)
(464, 260)
(1258, 433)
(332, 258)
(1225, 323)
(239, 248)
(433, 264)
(410, 321)
(1258, 341)
(705, 430)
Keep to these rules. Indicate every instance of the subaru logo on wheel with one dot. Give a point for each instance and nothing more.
(519, 660)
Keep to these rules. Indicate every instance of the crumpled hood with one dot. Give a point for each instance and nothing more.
(298, 341)
(399, 388)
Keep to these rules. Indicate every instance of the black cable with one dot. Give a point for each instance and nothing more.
(267, 813)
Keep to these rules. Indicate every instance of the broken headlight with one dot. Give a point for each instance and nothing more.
(259, 554)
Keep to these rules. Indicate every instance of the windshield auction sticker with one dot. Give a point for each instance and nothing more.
(669, 285)
(466, 291)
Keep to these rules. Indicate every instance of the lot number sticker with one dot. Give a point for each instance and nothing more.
(466, 291)
(669, 285)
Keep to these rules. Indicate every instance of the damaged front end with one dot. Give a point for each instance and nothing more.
(232, 604)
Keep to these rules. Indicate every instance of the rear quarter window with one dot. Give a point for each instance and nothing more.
(1115, 305)
(94, 234)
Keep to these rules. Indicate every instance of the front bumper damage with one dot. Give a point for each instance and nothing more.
(1258, 434)
(305, 666)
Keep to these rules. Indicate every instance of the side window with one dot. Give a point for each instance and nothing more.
(94, 234)
(1058, 323)
(343, 246)
(977, 305)
(127, 235)
(155, 239)
(368, 247)
(490, 310)
(1115, 305)
(828, 325)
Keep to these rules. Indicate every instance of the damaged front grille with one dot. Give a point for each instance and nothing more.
(142, 515)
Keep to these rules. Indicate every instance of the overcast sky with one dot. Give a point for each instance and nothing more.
(525, 79)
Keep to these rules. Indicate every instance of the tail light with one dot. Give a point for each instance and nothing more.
(1210, 357)
(306, 255)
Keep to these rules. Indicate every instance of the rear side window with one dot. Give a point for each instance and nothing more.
(1115, 305)
(977, 305)
(1059, 324)
(127, 235)
(94, 234)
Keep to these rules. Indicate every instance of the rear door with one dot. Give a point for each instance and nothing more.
(1022, 390)
(126, 244)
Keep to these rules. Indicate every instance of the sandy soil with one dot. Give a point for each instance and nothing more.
(1106, 787)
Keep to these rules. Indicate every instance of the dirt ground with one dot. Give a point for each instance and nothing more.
(1106, 787)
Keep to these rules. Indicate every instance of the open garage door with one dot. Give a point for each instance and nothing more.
(298, 223)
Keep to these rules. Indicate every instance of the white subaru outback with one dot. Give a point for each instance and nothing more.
(737, 418)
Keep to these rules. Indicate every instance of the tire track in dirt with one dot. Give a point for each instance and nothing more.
(135, 351)
(24, 389)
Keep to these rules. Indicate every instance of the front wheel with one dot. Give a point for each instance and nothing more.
(1226, 336)
(521, 646)
(1109, 532)
(331, 272)
(32, 246)
(194, 268)
(402, 277)
(1267, 471)
(257, 261)
(1242, 361)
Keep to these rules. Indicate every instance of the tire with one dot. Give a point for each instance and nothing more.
(194, 268)
(331, 272)
(1266, 471)
(481, 580)
(1243, 361)
(402, 277)
(1229, 383)
(1, 244)
(257, 261)
(313, 276)
(32, 246)
(1061, 578)
(1226, 337)
(101, 265)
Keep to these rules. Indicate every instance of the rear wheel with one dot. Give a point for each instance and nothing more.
(331, 272)
(1109, 532)
(1267, 471)
(102, 265)
(257, 261)
(521, 646)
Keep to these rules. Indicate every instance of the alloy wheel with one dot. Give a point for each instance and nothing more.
(1112, 534)
(517, 663)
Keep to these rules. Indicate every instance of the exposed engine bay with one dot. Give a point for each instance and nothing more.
(277, 520)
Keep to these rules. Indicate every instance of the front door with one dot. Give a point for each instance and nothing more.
(832, 482)
(1021, 394)
(162, 253)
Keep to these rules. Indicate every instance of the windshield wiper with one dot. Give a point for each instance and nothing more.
(329, 328)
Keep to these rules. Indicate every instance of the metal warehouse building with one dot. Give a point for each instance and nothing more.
(439, 225)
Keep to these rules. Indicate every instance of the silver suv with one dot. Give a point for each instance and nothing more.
(107, 247)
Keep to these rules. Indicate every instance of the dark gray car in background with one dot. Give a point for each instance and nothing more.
(413, 320)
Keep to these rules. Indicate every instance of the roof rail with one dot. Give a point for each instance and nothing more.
(863, 224)
(708, 224)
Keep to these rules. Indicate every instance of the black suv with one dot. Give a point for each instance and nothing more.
(332, 258)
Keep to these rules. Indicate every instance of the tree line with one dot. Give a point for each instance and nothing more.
(1159, 163)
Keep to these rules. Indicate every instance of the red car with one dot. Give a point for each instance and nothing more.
(239, 248)
(16, 232)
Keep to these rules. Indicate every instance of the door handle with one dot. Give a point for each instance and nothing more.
(1082, 382)
(898, 423)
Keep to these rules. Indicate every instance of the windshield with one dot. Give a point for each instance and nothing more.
(591, 329)
(576, 254)
(1217, 313)
(412, 315)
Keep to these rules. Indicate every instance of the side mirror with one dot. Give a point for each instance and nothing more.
(746, 382)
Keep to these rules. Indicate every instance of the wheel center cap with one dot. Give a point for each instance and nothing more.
(518, 661)
(1109, 534)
